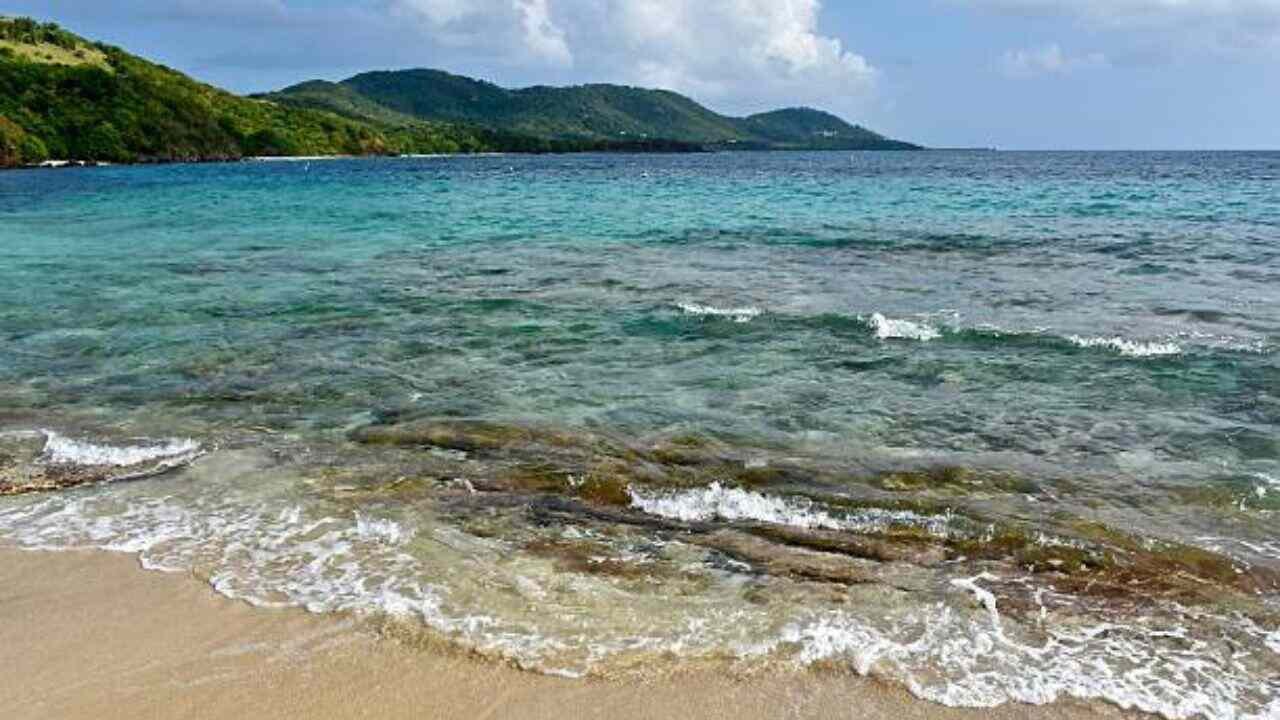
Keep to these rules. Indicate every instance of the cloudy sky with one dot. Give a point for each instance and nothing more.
(1006, 73)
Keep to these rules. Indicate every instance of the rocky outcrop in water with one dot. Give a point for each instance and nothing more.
(47, 461)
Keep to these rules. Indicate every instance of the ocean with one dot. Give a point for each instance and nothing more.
(999, 427)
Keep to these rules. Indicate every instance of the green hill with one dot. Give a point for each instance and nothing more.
(341, 100)
(815, 129)
(62, 96)
(65, 97)
(608, 111)
(597, 112)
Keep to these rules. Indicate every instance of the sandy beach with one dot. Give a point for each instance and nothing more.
(90, 635)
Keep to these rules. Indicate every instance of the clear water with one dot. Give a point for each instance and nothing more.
(1082, 339)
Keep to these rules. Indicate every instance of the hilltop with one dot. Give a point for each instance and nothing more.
(67, 97)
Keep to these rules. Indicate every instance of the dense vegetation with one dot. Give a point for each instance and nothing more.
(64, 97)
(595, 112)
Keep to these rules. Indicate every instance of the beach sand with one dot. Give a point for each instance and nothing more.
(91, 635)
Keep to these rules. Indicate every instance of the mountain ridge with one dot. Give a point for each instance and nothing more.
(65, 97)
(589, 111)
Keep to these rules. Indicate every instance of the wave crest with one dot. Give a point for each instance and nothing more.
(1127, 347)
(739, 315)
(62, 450)
(894, 329)
(717, 502)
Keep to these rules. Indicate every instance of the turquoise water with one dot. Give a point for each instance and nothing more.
(844, 347)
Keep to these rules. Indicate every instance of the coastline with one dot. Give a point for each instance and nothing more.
(87, 634)
(81, 164)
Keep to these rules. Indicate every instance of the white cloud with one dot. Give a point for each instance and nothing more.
(736, 52)
(721, 48)
(521, 30)
(542, 36)
(737, 55)
(1048, 60)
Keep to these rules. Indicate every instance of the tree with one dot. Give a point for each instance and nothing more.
(17, 147)
(270, 142)
(103, 143)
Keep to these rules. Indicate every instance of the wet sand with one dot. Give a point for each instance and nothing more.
(90, 635)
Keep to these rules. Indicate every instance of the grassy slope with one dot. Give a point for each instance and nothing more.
(51, 53)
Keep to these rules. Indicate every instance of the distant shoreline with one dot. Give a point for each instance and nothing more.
(80, 164)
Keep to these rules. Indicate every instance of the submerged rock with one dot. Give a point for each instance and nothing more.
(20, 470)
(790, 518)
(47, 461)
(462, 435)
(955, 480)
(789, 561)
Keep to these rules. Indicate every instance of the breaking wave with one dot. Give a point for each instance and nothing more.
(957, 649)
(974, 657)
(925, 329)
(1125, 346)
(717, 502)
(62, 450)
(740, 315)
(888, 329)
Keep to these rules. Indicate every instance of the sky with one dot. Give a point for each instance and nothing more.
(1013, 74)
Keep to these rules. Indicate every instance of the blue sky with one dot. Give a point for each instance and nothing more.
(1009, 73)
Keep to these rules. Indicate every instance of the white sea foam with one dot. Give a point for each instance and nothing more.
(970, 658)
(959, 651)
(717, 502)
(59, 449)
(954, 658)
(887, 329)
(1229, 343)
(269, 557)
(1127, 347)
(388, 531)
(1265, 486)
(298, 158)
(740, 315)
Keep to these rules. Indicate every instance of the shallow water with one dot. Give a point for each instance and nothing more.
(999, 426)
